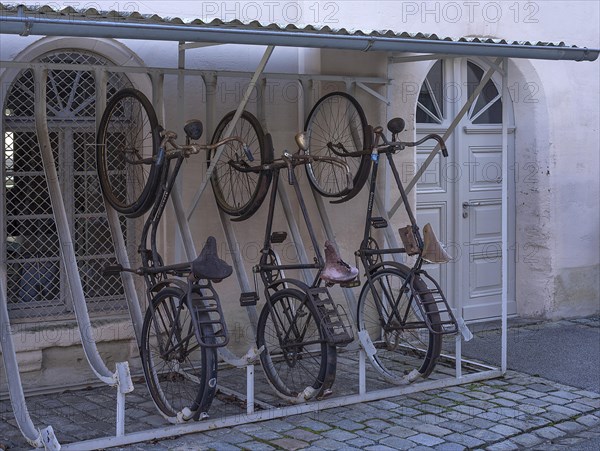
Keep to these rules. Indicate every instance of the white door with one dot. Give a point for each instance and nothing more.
(461, 195)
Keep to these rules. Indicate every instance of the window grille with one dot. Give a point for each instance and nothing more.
(37, 285)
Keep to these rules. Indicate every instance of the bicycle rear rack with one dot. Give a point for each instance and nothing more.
(439, 320)
(207, 311)
(333, 318)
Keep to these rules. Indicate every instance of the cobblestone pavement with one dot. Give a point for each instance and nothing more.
(514, 412)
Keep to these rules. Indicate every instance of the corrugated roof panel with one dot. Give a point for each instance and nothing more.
(45, 20)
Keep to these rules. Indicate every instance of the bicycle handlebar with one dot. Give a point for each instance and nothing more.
(306, 159)
(289, 161)
(169, 137)
(401, 144)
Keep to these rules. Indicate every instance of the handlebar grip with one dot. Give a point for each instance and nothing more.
(444, 150)
(248, 152)
(349, 181)
(112, 270)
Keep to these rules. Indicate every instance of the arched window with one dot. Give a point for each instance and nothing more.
(431, 105)
(487, 109)
(36, 281)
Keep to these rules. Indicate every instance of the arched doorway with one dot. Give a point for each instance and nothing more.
(461, 196)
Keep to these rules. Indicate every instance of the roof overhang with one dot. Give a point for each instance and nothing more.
(48, 22)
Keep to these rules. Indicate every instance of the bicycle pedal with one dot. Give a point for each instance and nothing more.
(112, 270)
(379, 223)
(278, 237)
(249, 298)
(351, 284)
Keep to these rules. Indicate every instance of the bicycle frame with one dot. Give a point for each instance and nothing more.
(365, 252)
(290, 161)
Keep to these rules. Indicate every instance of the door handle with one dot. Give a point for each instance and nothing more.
(466, 206)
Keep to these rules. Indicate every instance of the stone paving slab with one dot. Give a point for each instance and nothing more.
(516, 411)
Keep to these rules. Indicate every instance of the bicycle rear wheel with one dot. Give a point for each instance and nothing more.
(336, 122)
(127, 140)
(297, 360)
(402, 342)
(179, 372)
(240, 193)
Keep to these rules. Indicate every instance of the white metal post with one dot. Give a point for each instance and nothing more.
(505, 203)
(250, 389)
(362, 372)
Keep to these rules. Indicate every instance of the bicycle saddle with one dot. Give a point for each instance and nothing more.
(193, 129)
(336, 270)
(208, 265)
(433, 252)
(396, 125)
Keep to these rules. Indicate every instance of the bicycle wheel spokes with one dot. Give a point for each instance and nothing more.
(238, 193)
(126, 144)
(178, 370)
(389, 314)
(296, 359)
(335, 127)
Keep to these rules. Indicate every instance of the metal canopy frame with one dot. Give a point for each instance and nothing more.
(26, 25)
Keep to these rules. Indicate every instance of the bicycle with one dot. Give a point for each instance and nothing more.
(184, 324)
(402, 312)
(300, 326)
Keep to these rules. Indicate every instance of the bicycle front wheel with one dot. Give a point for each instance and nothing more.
(126, 143)
(179, 372)
(240, 193)
(388, 313)
(336, 126)
(297, 360)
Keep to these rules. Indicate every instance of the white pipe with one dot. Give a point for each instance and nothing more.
(67, 248)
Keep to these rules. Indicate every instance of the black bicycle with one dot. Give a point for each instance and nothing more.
(137, 164)
(402, 311)
(300, 326)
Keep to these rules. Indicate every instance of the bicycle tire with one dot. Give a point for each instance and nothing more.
(186, 375)
(299, 366)
(332, 120)
(238, 193)
(128, 128)
(399, 352)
